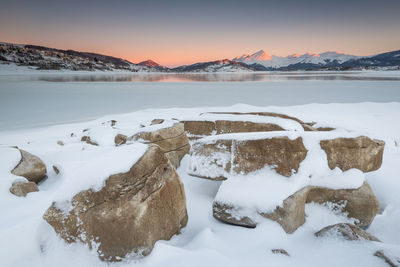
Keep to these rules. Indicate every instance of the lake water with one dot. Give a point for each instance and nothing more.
(37, 99)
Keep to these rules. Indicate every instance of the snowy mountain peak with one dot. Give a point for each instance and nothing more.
(257, 56)
(260, 55)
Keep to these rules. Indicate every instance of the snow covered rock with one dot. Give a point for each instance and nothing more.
(31, 167)
(88, 140)
(290, 215)
(21, 189)
(346, 231)
(361, 153)
(120, 139)
(157, 121)
(172, 140)
(217, 158)
(391, 260)
(359, 203)
(215, 123)
(129, 213)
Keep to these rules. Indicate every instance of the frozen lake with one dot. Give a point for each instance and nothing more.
(37, 99)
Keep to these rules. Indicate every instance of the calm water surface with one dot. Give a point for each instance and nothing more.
(31, 100)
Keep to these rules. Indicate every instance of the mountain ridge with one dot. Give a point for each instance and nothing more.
(46, 58)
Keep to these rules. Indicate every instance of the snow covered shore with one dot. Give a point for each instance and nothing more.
(25, 239)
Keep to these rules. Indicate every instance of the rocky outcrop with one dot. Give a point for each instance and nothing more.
(361, 153)
(31, 167)
(359, 203)
(346, 231)
(172, 140)
(21, 189)
(130, 213)
(243, 156)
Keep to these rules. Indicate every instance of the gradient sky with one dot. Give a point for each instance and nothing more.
(183, 32)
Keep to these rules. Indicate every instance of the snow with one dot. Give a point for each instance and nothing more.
(26, 240)
(273, 61)
(99, 165)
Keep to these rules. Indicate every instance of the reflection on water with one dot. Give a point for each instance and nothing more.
(212, 77)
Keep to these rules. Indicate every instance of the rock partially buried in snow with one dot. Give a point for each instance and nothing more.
(88, 140)
(31, 167)
(291, 215)
(392, 261)
(218, 158)
(172, 140)
(56, 170)
(21, 189)
(346, 231)
(280, 251)
(157, 121)
(359, 203)
(130, 213)
(361, 153)
(120, 139)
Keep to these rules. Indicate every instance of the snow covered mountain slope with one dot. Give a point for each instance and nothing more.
(45, 58)
(216, 66)
(275, 62)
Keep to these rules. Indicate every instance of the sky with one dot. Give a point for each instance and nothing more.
(178, 32)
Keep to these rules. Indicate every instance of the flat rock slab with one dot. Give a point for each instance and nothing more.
(240, 123)
(130, 213)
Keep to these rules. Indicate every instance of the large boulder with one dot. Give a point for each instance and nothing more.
(236, 156)
(31, 167)
(172, 140)
(359, 203)
(346, 231)
(21, 189)
(361, 153)
(130, 213)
